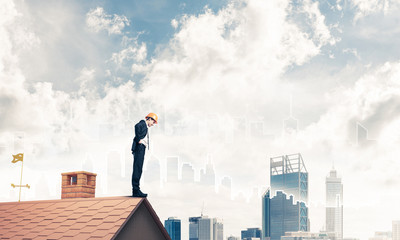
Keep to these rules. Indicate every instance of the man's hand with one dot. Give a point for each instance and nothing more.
(144, 142)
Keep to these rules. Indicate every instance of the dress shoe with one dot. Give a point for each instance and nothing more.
(139, 193)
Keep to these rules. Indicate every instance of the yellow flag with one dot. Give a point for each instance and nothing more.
(18, 157)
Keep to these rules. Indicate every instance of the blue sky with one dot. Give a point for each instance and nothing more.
(223, 76)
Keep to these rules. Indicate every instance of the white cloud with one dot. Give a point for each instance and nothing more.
(97, 20)
(136, 53)
(232, 54)
(321, 32)
(174, 23)
(367, 7)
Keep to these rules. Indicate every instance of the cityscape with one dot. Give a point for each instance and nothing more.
(284, 205)
(284, 208)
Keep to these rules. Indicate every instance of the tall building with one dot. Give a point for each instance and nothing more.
(218, 228)
(289, 174)
(204, 228)
(225, 188)
(251, 233)
(266, 216)
(173, 227)
(288, 178)
(396, 230)
(287, 216)
(172, 169)
(187, 173)
(194, 228)
(207, 176)
(334, 204)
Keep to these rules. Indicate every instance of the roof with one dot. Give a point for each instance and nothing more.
(78, 218)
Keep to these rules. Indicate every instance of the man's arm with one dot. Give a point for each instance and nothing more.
(140, 131)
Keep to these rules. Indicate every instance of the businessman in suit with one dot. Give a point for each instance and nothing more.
(139, 145)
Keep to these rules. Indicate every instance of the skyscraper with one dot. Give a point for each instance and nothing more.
(286, 216)
(187, 173)
(396, 230)
(218, 228)
(225, 189)
(288, 178)
(266, 216)
(173, 227)
(172, 169)
(204, 228)
(207, 176)
(289, 174)
(194, 228)
(334, 204)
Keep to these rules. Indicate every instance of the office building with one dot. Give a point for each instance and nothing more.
(266, 216)
(284, 206)
(281, 214)
(218, 228)
(251, 233)
(289, 174)
(173, 227)
(172, 169)
(187, 173)
(225, 188)
(396, 230)
(207, 175)
(194, 228)
(334, 204)
(204, 228)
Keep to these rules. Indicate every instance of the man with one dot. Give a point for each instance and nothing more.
(140, 142)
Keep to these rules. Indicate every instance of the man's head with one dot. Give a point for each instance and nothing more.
(151, 119)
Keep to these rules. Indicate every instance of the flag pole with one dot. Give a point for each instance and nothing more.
(20, 183)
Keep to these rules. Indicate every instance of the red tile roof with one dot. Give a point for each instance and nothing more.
(82, 218)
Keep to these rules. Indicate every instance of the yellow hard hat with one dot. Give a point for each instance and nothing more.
(153, 116)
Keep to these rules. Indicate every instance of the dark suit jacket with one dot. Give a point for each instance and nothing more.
(140, 133)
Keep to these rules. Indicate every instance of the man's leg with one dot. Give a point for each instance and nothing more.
(138, 159)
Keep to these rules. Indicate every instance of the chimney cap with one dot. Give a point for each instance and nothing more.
(78, 172)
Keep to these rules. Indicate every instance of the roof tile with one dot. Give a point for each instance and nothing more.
(113, 219)
(105, 226)
(96, 218)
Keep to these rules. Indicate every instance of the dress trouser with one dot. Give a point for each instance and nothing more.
(138, 159)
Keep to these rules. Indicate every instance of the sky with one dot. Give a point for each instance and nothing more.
(225, 78)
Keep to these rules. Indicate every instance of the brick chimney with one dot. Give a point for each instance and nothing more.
(79, 184)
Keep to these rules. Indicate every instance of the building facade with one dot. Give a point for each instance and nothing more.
(266, 216)
(287, 216)
(334, 204)
(284, 207)
(251, 233)
(204, 228)
(396, 230)
(173, 227)
(289, 174)
(309, 236)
